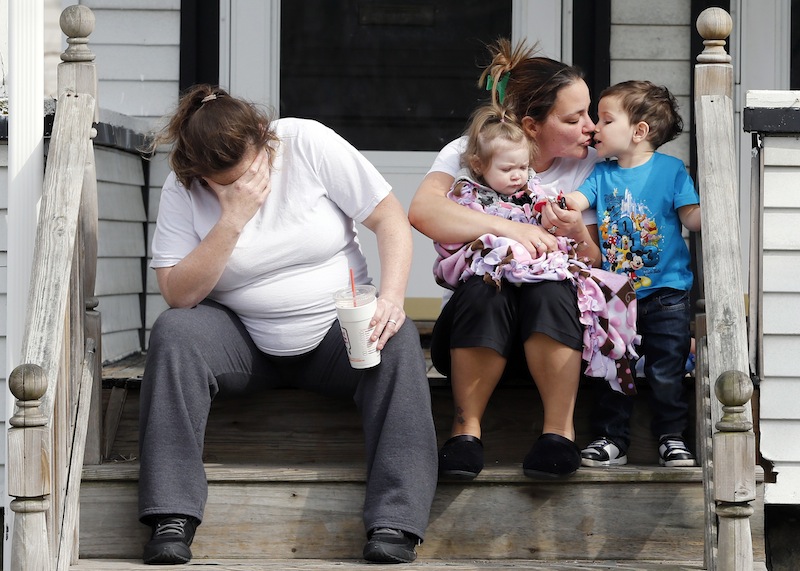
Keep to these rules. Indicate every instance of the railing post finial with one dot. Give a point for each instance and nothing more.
(714, 25)
(733, 389)
(28, 384)
(77, 23)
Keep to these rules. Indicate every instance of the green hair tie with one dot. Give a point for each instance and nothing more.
(501, 85)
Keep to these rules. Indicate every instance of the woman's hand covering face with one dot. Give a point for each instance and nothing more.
(243, 189)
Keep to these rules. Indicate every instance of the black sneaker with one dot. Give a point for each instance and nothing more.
(672, 452)
(390, 546)
(169, 545)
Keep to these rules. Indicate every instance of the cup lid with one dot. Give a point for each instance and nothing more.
(364, 295)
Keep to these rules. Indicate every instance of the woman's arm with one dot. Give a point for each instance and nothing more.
(395, 248)
(189, 281)
(445, 221)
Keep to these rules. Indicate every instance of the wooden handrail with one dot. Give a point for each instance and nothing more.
(55, 238)
(730, 472)
(44, 331)
(53, 385)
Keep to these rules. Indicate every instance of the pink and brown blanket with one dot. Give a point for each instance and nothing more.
(606, 300)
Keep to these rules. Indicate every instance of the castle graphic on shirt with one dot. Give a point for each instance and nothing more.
(629, 238)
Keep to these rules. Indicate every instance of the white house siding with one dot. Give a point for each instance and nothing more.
(3, 291)
(138, 55)
(121, 246)
(780, 319)
(650, 39)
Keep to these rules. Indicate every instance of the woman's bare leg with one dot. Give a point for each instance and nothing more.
(556, 370)
(474, 374)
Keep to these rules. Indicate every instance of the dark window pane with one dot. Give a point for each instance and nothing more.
(794, 78)
(591, 44)
(199, 57)
(396, 75)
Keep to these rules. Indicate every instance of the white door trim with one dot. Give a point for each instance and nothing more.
(249, 50)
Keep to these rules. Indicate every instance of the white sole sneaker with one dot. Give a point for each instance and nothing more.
(673, 453)
(621, 461)
(602, 452)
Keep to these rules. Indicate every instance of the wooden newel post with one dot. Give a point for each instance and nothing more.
(78, 74)
(29, 480)
(732, 477)
(734, 487)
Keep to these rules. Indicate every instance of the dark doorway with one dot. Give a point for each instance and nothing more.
(397, 75)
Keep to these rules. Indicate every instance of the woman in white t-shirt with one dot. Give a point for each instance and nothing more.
(481, 329)
(256, 230)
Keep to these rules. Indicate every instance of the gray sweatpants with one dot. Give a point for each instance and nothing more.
(196, 354)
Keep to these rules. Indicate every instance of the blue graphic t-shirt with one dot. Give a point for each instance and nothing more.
(637, 219)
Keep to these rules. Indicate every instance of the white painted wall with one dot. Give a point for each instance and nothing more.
(778, 324)
(5, 395)
(760, 46)
(138, 55)
(121, 247)
(650, 40)
(3, 46)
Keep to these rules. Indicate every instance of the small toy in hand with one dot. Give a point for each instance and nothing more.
(559, 200)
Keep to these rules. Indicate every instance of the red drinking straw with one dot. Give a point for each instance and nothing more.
(353, 287)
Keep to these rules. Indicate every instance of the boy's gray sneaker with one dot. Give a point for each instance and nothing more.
(603, 452)
(672, 452)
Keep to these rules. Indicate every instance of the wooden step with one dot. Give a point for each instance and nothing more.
(285, 425)
(347, 564)
(622, 513)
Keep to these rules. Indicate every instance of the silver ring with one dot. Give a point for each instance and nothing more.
(539, 244)
(391, 321)
(553, 229)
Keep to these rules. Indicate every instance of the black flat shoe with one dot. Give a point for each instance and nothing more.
(552, 456)
(461, 457)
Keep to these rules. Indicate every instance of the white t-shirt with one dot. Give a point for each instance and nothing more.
(565, 174)
(298, 248)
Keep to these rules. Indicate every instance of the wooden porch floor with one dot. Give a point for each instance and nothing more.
(461, 565)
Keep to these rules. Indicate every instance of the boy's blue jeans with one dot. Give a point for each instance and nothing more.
(664, 323)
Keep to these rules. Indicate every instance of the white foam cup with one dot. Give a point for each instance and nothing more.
(355, 313)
